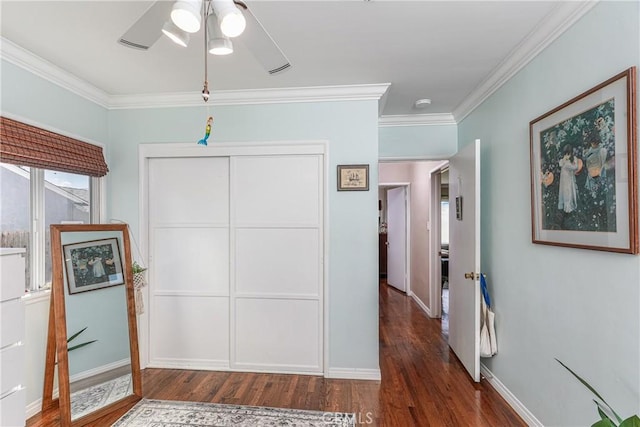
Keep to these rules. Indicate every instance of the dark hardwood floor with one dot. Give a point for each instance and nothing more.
(423, 383)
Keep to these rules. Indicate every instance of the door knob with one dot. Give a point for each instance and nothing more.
(386, 243)
(471, 276)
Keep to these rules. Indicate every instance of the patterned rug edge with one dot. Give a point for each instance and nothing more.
(323, 418)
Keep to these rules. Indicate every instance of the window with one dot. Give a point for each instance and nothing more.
(31, 200)
(46, 178)
(444, 221)
(15, 210)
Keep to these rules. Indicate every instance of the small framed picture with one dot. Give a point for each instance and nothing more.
(459, 208)
(92, 265)
(353, 177)
(584, 191)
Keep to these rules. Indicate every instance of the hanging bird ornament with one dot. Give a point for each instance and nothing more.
(207, 132)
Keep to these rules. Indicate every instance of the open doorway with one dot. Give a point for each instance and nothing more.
(439, 244)
(394, 236)
(444, 248)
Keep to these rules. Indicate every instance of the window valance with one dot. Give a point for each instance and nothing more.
(27, 145)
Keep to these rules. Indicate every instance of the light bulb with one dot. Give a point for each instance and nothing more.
(175, 34)
(186, 15)
(233, 23)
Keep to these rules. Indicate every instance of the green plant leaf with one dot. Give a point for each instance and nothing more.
(632, 421)
(587, 385)
(602, 411)
(80, 345)
(72, 337)
(603, 423)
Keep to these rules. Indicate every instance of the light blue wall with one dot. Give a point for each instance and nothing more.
(418, 142)
(579, 306)
(350, 128)
(34, 99)
(102, 311)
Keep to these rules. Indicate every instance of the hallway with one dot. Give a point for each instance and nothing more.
(423, 384)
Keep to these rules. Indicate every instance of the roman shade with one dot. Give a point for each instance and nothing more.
(27, 145)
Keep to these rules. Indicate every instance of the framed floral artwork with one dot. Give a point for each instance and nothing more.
(93, 265)
(584, 190)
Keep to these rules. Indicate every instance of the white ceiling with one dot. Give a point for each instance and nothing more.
(441, 50)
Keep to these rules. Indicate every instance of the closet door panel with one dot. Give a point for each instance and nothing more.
(278, 262)
(192, 260)
(279, 190)
(274, 333)
(189, 190)
(194, 332)
(189, 262)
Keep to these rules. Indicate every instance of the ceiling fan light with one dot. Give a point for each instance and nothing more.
(174, 33)
(186, 15)
(233, 24)
(218, 43)
(230, 18)
(220, 46)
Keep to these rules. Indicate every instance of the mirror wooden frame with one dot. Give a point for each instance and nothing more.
(57, 332)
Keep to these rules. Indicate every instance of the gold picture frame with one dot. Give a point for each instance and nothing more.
(353, 177)
(584, 190)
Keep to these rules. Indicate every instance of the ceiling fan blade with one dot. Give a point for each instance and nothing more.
(261, 45)
(148, 28)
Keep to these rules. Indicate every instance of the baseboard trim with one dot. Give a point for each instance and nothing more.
(511, 399)
(354, 374)
(99, 370)
(197, 364)
(33, 408)
(422, 305)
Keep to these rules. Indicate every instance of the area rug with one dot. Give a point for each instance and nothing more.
(95, 397)
(163, 413)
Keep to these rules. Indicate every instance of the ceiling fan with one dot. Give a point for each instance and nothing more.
(223, 19)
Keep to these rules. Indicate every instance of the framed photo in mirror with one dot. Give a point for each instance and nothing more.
(92, 265)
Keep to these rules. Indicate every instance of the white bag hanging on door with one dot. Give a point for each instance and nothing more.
(485, 338)
(488, 342)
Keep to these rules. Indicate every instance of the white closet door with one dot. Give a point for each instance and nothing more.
(277, 258)
(189, 260)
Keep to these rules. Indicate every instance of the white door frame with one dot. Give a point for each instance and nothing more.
(435, 239)
(407, 228)
(160, 150)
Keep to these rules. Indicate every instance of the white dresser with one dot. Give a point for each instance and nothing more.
(12, 330)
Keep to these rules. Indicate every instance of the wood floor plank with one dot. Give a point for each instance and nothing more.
(423, 383)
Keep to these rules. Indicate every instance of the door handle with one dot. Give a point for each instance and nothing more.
(472, 276)
(386, 243)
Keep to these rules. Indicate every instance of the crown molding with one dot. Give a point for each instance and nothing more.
(253, 96)
(21, 57)
(559, 20)
(417, 120)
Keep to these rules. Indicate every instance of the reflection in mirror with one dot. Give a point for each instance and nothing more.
(94, 321)
(97, 326)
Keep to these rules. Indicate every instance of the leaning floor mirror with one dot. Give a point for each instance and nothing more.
(92, 336)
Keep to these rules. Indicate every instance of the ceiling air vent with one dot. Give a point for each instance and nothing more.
(280, 69)
(132, 44)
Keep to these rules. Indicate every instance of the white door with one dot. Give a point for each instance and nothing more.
(236, 259)
(397, 238)
(277, 263)
(189, 262)
(464, 257)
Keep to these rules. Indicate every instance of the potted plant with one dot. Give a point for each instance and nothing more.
(608, 417)
(139, 281)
